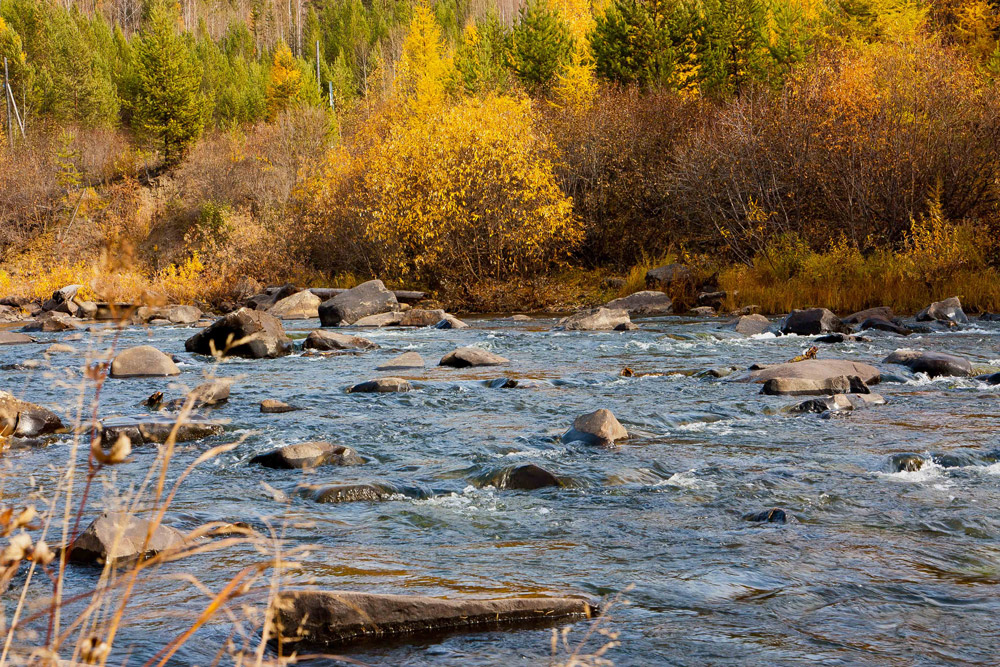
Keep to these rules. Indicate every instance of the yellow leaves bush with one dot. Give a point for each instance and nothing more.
(467, 193)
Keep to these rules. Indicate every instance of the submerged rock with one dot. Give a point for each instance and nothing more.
(833, 338)
(370, 298)
(381, 386)
(328, 340)
(949, 310)
(776, 515)
(525, 477)
(348, 493)
(934, 364)
(596, 319)
(13, 338)
(816, 369)
(837, 403)
(302, 305)
(465, 357)
(599, 427)
(154, 430)
(121, 538)
(272, 406)
(812, 322)
(330, 618)
(308, 455)
(143, 361)
(243, 333)
(648, 302)
(172, 314)
(211, 393)
(906, 462)
(407, 361)
(26, 420)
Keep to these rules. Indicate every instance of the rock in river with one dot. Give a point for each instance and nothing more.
(26, 420)
(949, 310)
(596, 319)
(599, 427)
(308, 455)
(243, 333)
(748, 325)
(817, 369)
(934, 364)
(143, 361)
(775, 515)
(154, 429)
(812, 322)
(272, 406)
(407, 361)
(878, 313)
(877, 324)
(465, 357)
(837, 403)
(526, 477)
(841, 384)
(370, 298)
(302, 305)
(381, 386)
(14, 338)
(330, 618)
(649, 302)
(122, 538)
(328, 340)
(347, 493)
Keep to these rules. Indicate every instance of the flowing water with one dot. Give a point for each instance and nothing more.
(873, 566)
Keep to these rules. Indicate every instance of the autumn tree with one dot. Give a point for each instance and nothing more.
(169, 105)
(284, 84)
(425, 71)
(540, 45)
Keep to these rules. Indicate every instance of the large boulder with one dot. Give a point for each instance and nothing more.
(816, 369)
(143, 361)
(407, 361)
(381, 386)
(934, 364)
(26, 420)
(669, 276)
(242, 333)
(748, 325)
(949, 310)
(599, 427)
(122, 538)
(878, 313)
(331, 618)
(51, 322)
(63, 300)
(370, 298)
(465, 357)
(812, 322)
(308, 455)
(302, 305)
(649, 302)
(596, 319)
(328, 340)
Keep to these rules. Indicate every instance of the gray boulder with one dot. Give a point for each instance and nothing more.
(649, 302)
(669, 276)
(121, 538)
(878, 313)
(13, 338)
(26, 420)
(599, 427)
(308, 455)
(748, 325)
(156, 430)
(949, 310)
(596, 319)
(51, 322)
(272, 406)
(347, 493)
(370, 298)
(812, 322)
(878, 324)
(211, 393)
(837, 403)
(243, 333)
(419, 317)
(332, 618)
(816, 369)
(143, 361)
(381, 320)
(841, 384)
(328, 340)
(934, 364)
(465, 357)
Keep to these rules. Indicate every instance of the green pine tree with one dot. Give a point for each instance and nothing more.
(540, 45)
(169, 107)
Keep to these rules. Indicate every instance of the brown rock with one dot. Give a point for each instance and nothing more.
(243, 333)
(143, 361)
(599, 427)
(121, 538)
(465, 357)
(26, 420)
(381, 386)
(272, 406)
(308, 455)
(328, 340)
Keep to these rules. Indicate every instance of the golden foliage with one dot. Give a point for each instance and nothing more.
(425, 70)
(284, 85)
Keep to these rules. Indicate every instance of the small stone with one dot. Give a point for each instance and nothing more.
(272, 406)
(381, 386)
(775, 515)
(308, 455)
(465, 357)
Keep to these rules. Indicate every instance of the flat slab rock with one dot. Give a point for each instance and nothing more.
(405, 362)
(648, 302)
(381, 386)
(465, 357)
(308, 455)
(934, 364)
(816, 369)
(154, 430)
(596, 319)
(841, 384)
(14, 338)
(330, 618)
(122, 538)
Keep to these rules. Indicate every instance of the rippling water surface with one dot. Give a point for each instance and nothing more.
(874, 566)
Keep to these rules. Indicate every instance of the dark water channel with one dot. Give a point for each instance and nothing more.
(873, 566)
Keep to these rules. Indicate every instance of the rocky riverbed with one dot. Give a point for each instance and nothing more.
(815, 524)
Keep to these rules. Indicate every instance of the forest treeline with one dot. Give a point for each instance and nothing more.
(488, 149)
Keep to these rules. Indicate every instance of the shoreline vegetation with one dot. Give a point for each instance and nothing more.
(791, 153)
